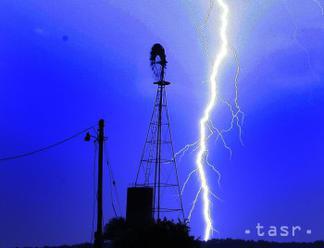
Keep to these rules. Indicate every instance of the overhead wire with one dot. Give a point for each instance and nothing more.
(113, 188)
(53, 145)
(45, 148)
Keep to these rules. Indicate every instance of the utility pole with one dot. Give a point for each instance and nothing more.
(100, 138)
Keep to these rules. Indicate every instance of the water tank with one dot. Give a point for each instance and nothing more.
(139, 205)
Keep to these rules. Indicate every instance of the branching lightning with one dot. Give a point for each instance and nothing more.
(186, 148)
(188, 179)
(194, 204)
(220, 135)
(237, 114)
(179, 154)
(202, 153)
(207, 128)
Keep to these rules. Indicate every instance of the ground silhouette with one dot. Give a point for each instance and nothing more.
(221, 243)
(157, 234)
(169, 234)
(236, 243)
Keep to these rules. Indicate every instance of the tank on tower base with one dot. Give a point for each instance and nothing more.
(139, 205)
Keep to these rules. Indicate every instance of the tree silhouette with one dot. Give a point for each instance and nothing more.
(158, 234)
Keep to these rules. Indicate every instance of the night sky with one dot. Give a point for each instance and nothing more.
(66, 64)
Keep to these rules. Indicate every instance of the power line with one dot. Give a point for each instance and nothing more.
(113, 187)
(45, 148)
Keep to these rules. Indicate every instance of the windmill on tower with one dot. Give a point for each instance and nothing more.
(156, 193)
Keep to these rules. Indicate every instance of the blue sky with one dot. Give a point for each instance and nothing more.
(52, 87)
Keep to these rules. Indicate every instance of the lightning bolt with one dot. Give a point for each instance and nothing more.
(194, 204)
(207, 128)
(236, 113)
(202, 153)
(186, 148)
(179, 155)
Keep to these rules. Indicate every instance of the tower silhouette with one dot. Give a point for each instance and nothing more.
(158, 168)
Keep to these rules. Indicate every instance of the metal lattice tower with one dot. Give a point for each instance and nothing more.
(158, 167)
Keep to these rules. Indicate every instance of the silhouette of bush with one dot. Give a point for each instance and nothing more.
(159, 234)
(115, 228)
